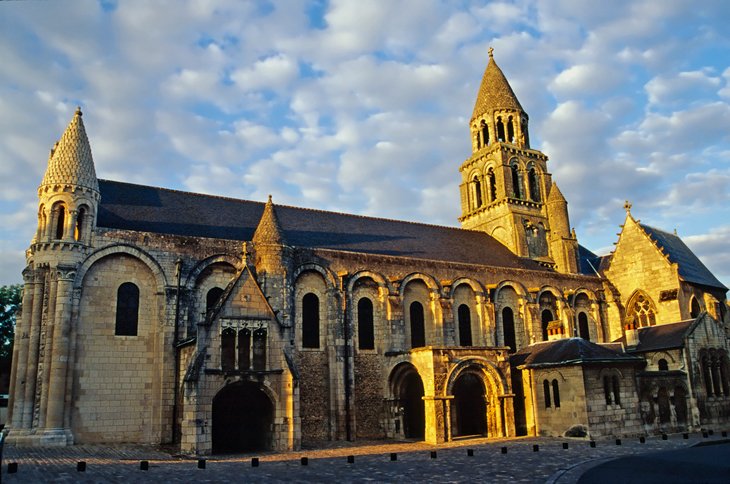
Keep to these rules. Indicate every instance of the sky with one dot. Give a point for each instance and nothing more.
(364, 107)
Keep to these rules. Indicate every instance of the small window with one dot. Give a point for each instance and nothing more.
(556, 394)
(127, 310)
(365, 329)
(516, 189)
(60, 221)
(532, 181)
(477, 192)
(492, 180)
(228, 350)
(694, 308)
(310, 321)
(508, 329)
(616, 390)
(244, 349)
(80, 224)
(663, 365)
(607, 389)
(259, 349)
(547, 318)
(418, 329)
(211, 298)
(546, 392)
(583, 330)
(464, 325)
(485, 134)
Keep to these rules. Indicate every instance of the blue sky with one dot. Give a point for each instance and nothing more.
(363, 107)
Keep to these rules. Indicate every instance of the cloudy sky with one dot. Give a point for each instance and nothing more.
(363, 106)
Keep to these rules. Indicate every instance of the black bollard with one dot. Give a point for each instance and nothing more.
(393, 456)
(535, 448)
(12, 467)
(433, 454)
(350, 459)
(592, 443)
(685, 436)
(618, 441)
(81, 466)
(305, 461)
(711, 432)
(144, 465)
(201, 463)
(504, 450)
(565, 445)
(724, 433)
(470, 452)
(705, 435)
(254, 462)
(642, 440)
(664, 437)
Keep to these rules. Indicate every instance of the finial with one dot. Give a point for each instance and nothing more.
(270, 198)
(491, 52)
(627, 207)
(675, 231)
(78, 111)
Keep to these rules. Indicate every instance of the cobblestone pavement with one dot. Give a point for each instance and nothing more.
(372, 462)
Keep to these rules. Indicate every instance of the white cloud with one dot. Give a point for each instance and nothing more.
(584, 79)
(690, 84)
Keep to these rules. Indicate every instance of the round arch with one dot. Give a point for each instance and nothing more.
(330, 279)
(516, 286)
(430, 282)
(380, 280)
(242, 418)
(476, 286)
(406, 388)
(144, 257)
(205, 263)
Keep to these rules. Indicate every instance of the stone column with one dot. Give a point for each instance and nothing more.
(70, 228)
(55, 434)
(437, 429)
(31, 369)
(20, 352)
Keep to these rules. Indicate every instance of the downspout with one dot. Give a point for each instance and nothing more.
(175, 339)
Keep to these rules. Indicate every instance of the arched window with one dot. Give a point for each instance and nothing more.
(418, 329)
(492, 180)
(310, 321)
(716, 384)
(663, 365)
(485, 134)
(477, 192)
(212, 297)
(694, 308)
(60, 221)
(127, 310)
(508, 329)
(607, 389)
(228, 349)
(244, 349)
(464, 325)
(365, 329)
(546, 392)
(556, 394)
(547, 317)
(259, 349)
(583, 330)
(510, 130)
(616, 390)
(500, 129)
(80, 223)
(642, 311)
(516, 189)
(533, 185)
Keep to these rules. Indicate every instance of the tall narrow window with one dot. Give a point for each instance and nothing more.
(244, 349)
(607, 389)
(500, 129)
(228, 349)
(310, 321)
(259, 349)
(365, 329)
(556, 394)
(127, 310)
(694, 308)
(516, 189)
(546, 392)
(418, 329)
(477, 192)
(492, 180)
(533, 185)
(485, 134)
(716, 376)
(616, 390)
(642, 311)
(212, 297)
(583, 326)
(508, 329)
(547, 317)
(60, 221)
(510, 130)
(80, 222)
(464, 325)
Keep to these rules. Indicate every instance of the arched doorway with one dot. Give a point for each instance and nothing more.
(469, 405)
(411, 398)
(242, 419)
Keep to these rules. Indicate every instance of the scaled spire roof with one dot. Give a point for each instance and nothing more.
(70, 162)
(555, 194)
(494, 92)
(268, 230)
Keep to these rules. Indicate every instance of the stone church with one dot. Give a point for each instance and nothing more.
(154, 316)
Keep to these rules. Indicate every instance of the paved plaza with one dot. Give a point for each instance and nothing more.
(461, 461)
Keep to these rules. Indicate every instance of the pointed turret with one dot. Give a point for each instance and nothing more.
(563, 242)
(69, 193)
(268, 231)
(495, 93)
(70, 162)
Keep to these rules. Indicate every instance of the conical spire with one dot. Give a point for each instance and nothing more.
(70, 162)
(268, 230)
(494, 92)
(556, 195)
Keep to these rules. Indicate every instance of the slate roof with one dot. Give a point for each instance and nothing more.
(127, 206)
(589, 262)
(569, 351)
(71, 162)
(691, 269)
(662, 336)
(494, 92)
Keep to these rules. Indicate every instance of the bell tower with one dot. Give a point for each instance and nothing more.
(506, 187)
